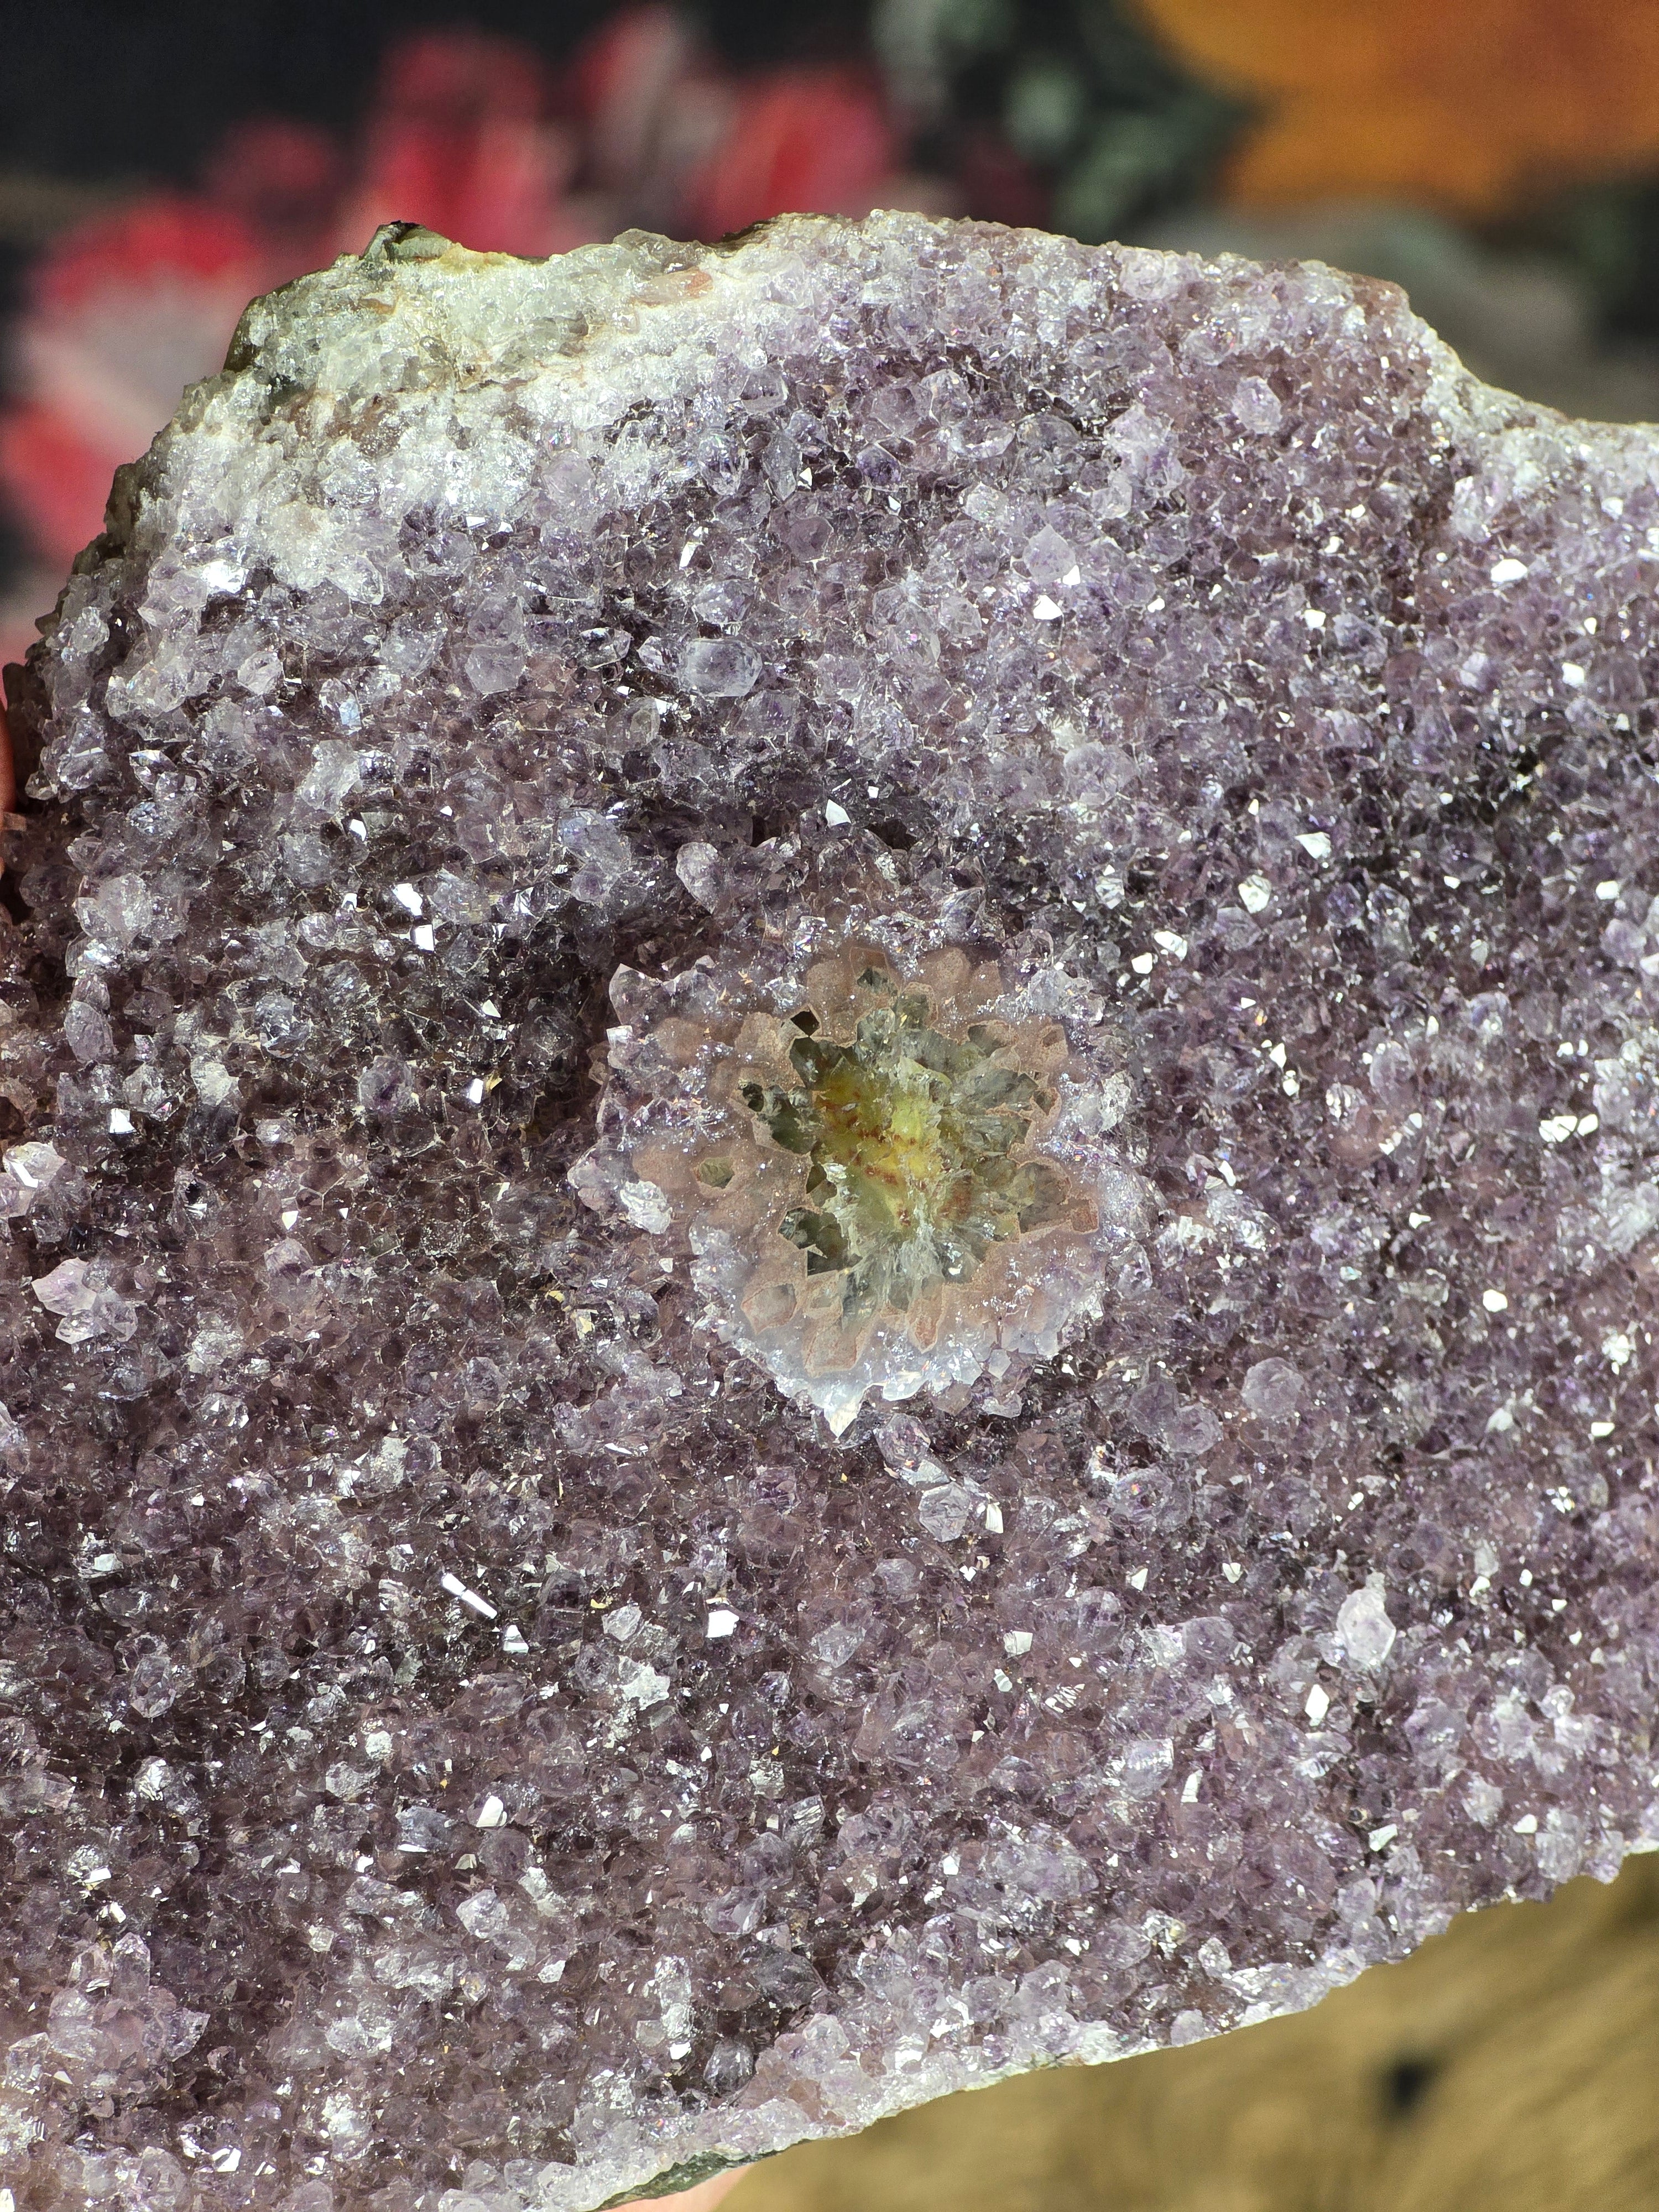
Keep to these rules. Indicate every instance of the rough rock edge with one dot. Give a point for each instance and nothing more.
(452, 295)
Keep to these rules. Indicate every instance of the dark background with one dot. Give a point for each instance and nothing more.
(121, 89)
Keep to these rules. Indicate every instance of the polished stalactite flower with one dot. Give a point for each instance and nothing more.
(887, 1166)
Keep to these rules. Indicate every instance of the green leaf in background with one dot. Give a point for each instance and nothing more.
(1076, 88)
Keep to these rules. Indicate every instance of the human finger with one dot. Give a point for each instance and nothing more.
(702, 2198)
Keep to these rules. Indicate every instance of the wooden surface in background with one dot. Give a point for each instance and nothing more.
(1512, 2066)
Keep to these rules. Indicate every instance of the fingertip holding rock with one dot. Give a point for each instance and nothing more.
(702, 2198)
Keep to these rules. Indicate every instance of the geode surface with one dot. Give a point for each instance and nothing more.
(831, 1070)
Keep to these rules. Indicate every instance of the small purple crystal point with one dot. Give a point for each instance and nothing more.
(829, 1081)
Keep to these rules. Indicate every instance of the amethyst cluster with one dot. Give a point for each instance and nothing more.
(828, 1074)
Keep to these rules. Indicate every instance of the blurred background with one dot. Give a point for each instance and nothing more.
(162, 161)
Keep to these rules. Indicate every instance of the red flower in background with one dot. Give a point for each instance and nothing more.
(460, 141)
(816, 138)
(123, 314)
(126, 310)
(653, 108)
(469, 134)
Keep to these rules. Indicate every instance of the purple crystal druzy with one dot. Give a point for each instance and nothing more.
(476, 1734)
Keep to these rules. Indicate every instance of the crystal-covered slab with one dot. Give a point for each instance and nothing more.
(830, 1072)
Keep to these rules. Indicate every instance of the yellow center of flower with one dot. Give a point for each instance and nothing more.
(913, 1140)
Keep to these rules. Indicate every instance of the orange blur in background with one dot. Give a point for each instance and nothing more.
(1465, 106)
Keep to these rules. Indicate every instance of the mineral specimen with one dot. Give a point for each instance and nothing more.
(830, 1073)
(879, 1214)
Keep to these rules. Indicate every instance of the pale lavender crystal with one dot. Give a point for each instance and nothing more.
(472, 1738)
